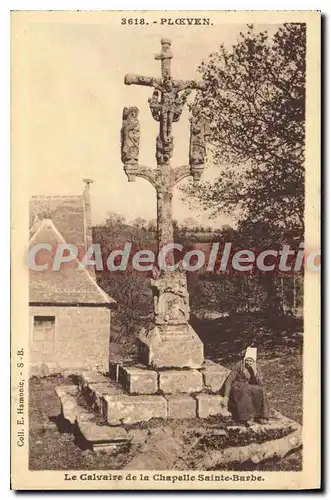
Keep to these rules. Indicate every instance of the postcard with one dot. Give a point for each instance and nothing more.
(165, 250)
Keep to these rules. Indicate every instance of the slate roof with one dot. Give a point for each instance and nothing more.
(69, 285)
(66, 212)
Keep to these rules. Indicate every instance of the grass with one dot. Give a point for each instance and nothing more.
(280, 355)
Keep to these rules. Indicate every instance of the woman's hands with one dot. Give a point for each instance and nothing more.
(254, 368)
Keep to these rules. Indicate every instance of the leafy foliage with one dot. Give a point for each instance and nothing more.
(254, 102)
(229, 291)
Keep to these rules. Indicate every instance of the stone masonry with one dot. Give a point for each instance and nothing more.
(71, 347)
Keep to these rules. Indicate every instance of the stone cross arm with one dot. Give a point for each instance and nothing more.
(132, 171)
(146, 81)
(150, 81)
(154, 175)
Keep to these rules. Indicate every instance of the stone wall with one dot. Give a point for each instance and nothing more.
(68, 338)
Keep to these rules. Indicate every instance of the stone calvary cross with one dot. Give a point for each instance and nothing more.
(171, 341)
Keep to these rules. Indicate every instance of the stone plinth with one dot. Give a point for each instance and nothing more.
(181, 406)
(214, 376)
(124, 409)
(182, 381)
(210, 404)
(137, 380)
(138, 399)
(167, 347)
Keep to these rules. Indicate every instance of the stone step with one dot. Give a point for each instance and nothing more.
(181, 406)
(129, 409)
(100, 437)
(149, 393)
(210, 404)
(136, 380)
(84, 423)
(91, 377)
(196, 406)
(117, 408)
(95, 392)
(94, 386)
(180, 381)
(68, 399)
(139, 380)
(213, 375)
(63, 391)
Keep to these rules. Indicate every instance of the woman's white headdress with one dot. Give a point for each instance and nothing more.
(251, 352)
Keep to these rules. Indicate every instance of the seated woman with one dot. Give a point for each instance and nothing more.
(243, 391)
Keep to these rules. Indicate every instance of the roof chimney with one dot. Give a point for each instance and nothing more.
(87, 184)
(87, 199)
(87, 218)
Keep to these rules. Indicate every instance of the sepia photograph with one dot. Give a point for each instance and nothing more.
(165, 250)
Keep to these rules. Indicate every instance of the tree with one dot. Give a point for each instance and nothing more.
(254, 102)
(152, 226)
(129, 288)
(114, 225)
(140, 223)
(134, 299)
(189, 224)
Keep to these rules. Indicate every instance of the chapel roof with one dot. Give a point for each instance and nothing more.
(54, 220)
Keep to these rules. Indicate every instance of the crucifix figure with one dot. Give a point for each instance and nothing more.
(171, 305)
(168, 99)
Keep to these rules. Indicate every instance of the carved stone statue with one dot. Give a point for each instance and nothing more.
(179, 104)
(164, 149)
(166, 104)
(130, 135)
(171, 299)
(198, 132)
(155, 105)
(173, 103)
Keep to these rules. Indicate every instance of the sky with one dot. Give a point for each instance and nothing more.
(71, 98)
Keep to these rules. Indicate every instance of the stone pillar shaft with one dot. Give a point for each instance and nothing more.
(170, 341)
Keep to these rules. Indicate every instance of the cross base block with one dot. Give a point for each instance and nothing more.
(162, 347)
